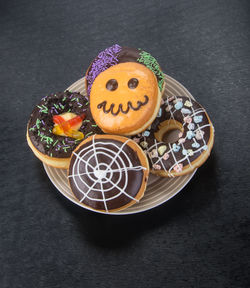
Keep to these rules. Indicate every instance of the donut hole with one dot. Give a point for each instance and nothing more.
(169, 131)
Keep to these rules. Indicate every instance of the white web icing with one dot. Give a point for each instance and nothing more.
(101, 173)
(170, 151)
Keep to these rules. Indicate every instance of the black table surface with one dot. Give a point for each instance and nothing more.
(200, 238)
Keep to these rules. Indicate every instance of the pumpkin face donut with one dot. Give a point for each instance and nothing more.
(125, 99)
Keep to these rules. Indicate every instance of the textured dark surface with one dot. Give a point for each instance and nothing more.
(198, 239)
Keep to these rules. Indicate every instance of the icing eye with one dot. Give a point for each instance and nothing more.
(133, 83)
(112, 85)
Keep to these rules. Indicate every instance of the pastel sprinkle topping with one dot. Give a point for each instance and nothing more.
(198, 119)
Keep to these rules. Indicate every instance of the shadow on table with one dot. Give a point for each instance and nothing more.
(111, 231)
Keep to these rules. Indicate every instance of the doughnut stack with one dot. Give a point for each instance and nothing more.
(112, 138)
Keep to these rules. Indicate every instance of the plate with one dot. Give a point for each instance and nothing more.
(159, 189)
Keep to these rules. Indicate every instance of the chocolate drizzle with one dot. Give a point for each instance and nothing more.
(120, 107)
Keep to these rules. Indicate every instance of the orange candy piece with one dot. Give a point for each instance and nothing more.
(64, 127)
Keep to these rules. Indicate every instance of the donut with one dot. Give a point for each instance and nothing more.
(115, 55)
(47, 127)
(125, 99)
(196, 137)
(108, 173)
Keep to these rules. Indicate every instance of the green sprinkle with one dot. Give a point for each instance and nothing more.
(89, 134)
(56, 106)
(63, 142)
(150, 62)
(73, 99)
(38, 122)
(65, 148)
(32, 129)
(69, 110)
(43, 109)
(87, 103)
(55, 142)
(86, 120)
(47, 146)
(94, 125)
(64, 98)
(61, 106)
(50, 130)
(50, 154)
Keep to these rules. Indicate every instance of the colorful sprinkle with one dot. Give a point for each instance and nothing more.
(198, 119)
(188, 103)
(176, 147)
(178, 105)
(178, 168)
(162, 149)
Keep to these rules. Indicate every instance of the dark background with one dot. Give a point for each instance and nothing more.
(200, 238)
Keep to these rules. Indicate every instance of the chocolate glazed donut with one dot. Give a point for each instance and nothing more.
(195, 141)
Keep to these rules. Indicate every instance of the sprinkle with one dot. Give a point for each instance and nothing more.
(73, 99)
(144, 144)
(87, 103)
(86, 120)
(153, 153)
(198, 119)
(181, 140)
(195, 145)
(190, 134)
(64, 98)
(199, 134)
(89, 134)
(55, 142)
(50, 154)
(187, 119)
(190, 126)
(176, 147)
(178, 168)
(146, 133)
(61, 106)
(38, 123)
(157, 167)
(188, 103)
(162, 149)
(94, 125)
(32, 129)
(56, 106)
(185, 111)
(178, 105)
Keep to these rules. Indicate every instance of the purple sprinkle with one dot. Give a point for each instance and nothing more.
(43, 122)
(104, 60)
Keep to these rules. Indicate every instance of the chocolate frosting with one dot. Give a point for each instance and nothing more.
(41, 123)
(191, 143)
(108, 190)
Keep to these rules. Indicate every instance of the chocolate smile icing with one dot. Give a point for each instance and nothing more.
(116, 54)
(120, 107)
(41, 123)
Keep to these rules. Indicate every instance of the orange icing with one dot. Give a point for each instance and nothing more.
(131, 107)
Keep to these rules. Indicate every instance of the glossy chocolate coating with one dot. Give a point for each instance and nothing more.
(41, 123)
(106, 150)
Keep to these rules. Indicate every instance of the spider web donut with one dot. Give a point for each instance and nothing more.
(105, 174)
